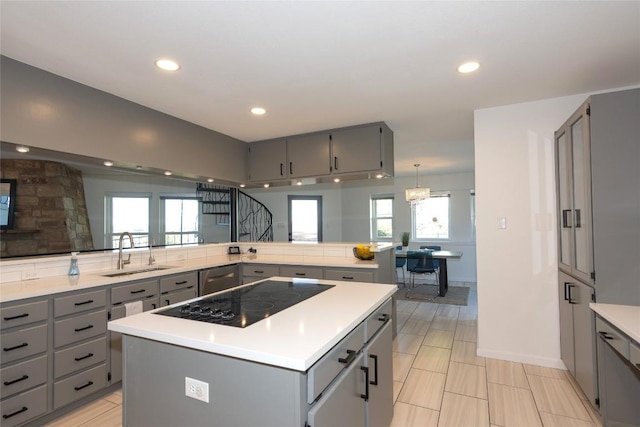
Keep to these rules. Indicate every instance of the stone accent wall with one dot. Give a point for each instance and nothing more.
(51, 213)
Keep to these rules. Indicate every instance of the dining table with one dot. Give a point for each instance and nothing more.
(442, 256)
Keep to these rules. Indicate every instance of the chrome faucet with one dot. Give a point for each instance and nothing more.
(122, 262)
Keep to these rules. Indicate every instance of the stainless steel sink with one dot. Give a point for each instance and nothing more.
(137, 270)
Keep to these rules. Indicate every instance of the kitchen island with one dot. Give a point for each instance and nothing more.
(323, 361)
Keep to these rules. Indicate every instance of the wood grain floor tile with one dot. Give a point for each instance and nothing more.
(439, 338)
(557, 397)
(551, 420)
(545, 372)
(84, 414)
(465, 352)
(401, 365)
(415, 327)
(434, 359)
(425, 311)
(449, 312)
(466, 333)
(397, 387)
(468, 380)
(115, 397)
(111, 418)
(444, 324)
(512, 406)
(406, 343)
(506, 373)
(405, 415)
(423, 388)
(458, 410)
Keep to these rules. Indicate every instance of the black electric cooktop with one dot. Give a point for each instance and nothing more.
(247, 305)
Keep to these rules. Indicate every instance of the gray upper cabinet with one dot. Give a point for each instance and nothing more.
(574, 196)
(364, 149)
(308, 155)
(268, 160)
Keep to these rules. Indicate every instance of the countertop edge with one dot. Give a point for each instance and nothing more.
(624, 317)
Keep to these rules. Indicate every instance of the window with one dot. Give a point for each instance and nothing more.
(127, 213)
(305, 218)
(180, 220)
(430, 217)
(381, 218)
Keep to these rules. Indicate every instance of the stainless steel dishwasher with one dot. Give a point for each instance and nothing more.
(218, 278)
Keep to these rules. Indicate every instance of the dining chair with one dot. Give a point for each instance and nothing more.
(400, 263)
(420, 262)
(436, 263)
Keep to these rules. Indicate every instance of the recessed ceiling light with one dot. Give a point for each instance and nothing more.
(336, 179)
(139, 167)
(167, 65)
(242, 185)
(168, 173)
(266, 186)
(22, 149)
(298, 182)
(108, 163)
(258, 111)
(468, 67)
(210, 180)
(379, 176)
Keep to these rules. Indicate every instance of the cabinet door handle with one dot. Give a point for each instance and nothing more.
(83, 329)
(347, 277)
(290, 168)
(138, 291)
(19, 316)
(571, 300)
(578, 219)
(351, 355)
(566, 289)
(182, 282)
(22, 378)
(83, 302)
(258, 271)
(375, 369)
(566, 218)
(606, 336)
(383, 317)
(335, 163)
(90, 383)
(24, 344)
(19, 411)
(301, 274)
(281, 169)
(365, 396)
(77, 359)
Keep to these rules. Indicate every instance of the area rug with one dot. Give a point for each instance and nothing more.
(456, 295)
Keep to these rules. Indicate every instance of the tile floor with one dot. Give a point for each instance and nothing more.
(439, 380)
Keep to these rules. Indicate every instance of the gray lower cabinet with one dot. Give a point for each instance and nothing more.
(301, 272)
(577, 338)
(146, 291)
(254, 272)
(24, 342)
(619, 376)
(178, 287)
(355, 275)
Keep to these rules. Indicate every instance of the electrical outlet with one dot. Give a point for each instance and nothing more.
(196, 389)
(29, 274)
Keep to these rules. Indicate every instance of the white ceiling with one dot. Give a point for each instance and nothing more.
(321, 65)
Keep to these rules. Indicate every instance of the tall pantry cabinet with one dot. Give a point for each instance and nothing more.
(598, 203)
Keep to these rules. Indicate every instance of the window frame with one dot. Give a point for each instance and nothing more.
(162, 223)
(374, 217)
(414, 234)
(109, 235)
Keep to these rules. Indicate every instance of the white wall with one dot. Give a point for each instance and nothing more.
(347, 209)
(517, 266)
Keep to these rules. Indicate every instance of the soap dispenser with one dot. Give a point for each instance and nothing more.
(73, 268)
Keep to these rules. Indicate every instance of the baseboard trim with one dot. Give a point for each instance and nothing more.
(523, 358)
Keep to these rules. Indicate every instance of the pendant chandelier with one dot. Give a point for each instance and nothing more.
(417, 193)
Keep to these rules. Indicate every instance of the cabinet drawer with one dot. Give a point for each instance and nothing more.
(329, 366)
(24, 343)
(79, 303)
(634, 355)
(79, 357)
(23, 376)
(303, 272)
(118, 312)
(260, 270)
(79, 328)
(349, 275)
(134, 291)
(23, 314)
(174, 297)
(179, 281)
(613, 337)
(377, 320)
(79, 385)
(23, 407)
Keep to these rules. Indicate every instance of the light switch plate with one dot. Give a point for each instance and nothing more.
(196, 389)
(502, 222)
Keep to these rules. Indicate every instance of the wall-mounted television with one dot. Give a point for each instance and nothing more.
(7, 203)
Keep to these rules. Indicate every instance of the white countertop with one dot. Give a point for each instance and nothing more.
(624, 317)
(294, 338)
(12, 291)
